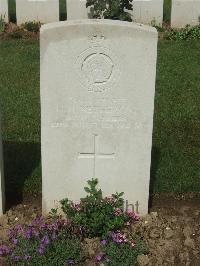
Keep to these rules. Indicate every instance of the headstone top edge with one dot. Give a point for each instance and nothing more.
(103, 22)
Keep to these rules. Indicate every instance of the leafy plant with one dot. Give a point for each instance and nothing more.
(32, 26)
(44, 243)
(95, 215)
(16, 34)
(2, 23)
(120, 249)
(187, 33)
(110, 9)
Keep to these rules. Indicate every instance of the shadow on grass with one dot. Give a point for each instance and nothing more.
(20, 160)
(155, 154)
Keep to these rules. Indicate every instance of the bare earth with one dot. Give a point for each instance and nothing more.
(171, 230)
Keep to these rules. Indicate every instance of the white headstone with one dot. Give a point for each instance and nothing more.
(148, 11)
(76, 9)
(185, 12)
(144, 11)
(43, 11)
(4, 9)
(2, 193)
(97, 104)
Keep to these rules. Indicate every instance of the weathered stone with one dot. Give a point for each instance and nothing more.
(97, 103)
(37, 10)
(76, 9)
(148, 12)
(185, 12)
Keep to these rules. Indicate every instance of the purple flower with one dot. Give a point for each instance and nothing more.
(43, 226)
(100, 257)
(39, 219)
(35, 232)
(45, 240)
(27, 257)
(4, 250)
(16, 258)
(104, 242)
(70, 262)
(10, 233)
(19, 227)
(54, 236)
(119, 237)
(41, 249)
(15, 240)
(28, 233)
(133, 215)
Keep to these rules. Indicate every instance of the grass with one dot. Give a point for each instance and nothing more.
(176, 140)
(19, 101)
(12, 10)
(167, 11)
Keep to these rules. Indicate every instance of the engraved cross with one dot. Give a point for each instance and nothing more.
(96, 154)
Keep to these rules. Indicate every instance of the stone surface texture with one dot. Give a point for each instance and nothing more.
(76, 9)
(97, 105)
(2, 196)
(4, 9)
(148, 11)
(44, 11)
(185, 12)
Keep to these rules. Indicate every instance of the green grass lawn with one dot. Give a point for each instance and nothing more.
(176, 140)
(167, 11)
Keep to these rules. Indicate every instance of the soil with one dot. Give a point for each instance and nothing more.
(171, 230)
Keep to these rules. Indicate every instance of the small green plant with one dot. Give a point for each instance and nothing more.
(32, 26)
(2, 23)
(95, 215)
(120, 249)
(110, 9)
(187, 33)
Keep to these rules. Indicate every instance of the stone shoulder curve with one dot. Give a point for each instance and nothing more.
(103, 22)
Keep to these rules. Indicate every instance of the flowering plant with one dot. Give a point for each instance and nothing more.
(96, 215)
(43, 243)
(120, 249)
